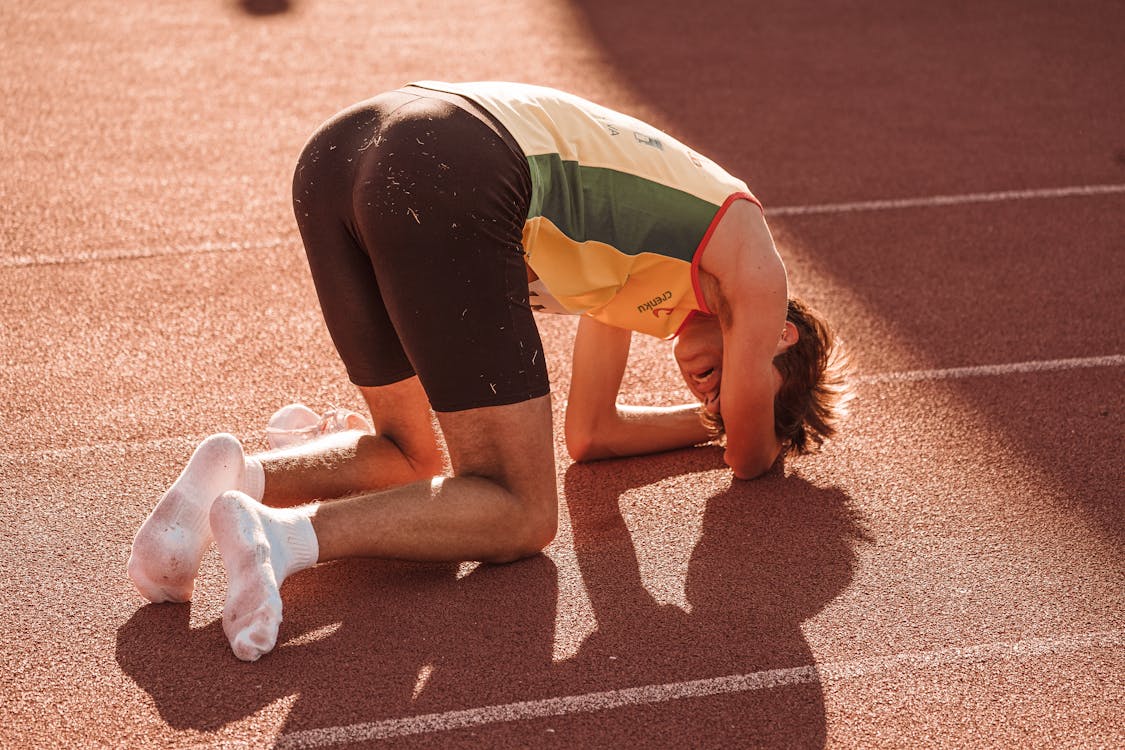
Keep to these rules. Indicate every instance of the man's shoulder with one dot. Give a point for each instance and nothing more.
(741, 254)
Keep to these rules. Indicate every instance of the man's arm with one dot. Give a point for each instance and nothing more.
(742, 265)
(596, 425)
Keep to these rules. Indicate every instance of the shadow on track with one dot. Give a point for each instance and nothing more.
(364, 641)
(264, 7)
(773, 553)
(361, 641)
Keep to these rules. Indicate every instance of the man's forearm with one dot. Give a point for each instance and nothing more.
(637, 430)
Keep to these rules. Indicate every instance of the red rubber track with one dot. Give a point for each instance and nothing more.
(950, 572)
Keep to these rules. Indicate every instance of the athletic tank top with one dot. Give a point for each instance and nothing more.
(620, 212)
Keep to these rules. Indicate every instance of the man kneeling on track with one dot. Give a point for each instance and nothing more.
(436, 218)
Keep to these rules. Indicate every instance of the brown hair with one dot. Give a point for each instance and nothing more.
(814, 392)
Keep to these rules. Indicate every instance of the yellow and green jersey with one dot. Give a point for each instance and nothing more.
(620, 212)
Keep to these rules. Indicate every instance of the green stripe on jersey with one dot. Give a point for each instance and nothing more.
(627, 212)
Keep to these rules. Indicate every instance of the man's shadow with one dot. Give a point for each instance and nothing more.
(367, 640)
(773, 553)
(362, 641)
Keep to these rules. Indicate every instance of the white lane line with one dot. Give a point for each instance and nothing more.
(946, 200)
(125, 253)
(45, 259)
(953, 373)
(118, 447)
(739, 683)
(957, 373)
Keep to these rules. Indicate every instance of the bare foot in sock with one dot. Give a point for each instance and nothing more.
(171, 542)
(260, 547)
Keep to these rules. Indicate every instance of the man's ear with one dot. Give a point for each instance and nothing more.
(789, 336)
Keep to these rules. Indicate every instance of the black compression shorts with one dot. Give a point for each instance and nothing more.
(411, 206)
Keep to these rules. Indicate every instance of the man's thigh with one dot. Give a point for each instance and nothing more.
(441, 203)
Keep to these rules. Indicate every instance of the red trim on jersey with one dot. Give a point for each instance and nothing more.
(690, 315)
(703, 246)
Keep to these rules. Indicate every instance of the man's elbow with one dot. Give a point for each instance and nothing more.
(746, 473)
(591, 444)
(751, 466)
(579, 452)
(581, 444)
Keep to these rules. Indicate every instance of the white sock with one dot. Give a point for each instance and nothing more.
(170, 543)
(261, 547)
(253, 479)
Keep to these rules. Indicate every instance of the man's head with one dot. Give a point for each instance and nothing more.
(811, 389)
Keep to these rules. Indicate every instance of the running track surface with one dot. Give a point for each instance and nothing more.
(947, 184)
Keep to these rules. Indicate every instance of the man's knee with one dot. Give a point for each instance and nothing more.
(531, 533)
(541, 526)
